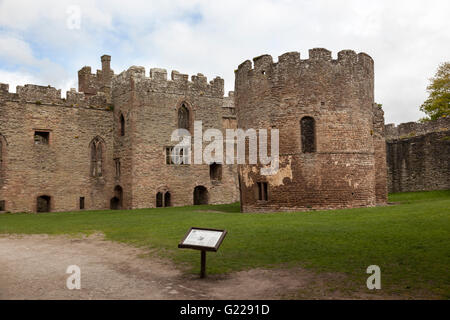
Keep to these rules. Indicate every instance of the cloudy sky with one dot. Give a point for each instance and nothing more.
(41, 42)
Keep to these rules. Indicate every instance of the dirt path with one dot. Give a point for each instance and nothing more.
(34, 267)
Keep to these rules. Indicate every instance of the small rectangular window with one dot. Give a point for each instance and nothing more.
(262, 191)
(181, 157)
(41, 137)
(81, 203)
(2, 205)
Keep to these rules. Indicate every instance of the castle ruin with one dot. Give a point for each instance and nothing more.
(108, 145)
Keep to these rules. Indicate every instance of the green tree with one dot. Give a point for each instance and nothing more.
(438, 103)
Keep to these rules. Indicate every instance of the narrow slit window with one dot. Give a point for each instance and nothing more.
(117, 163)
(81, 203)
(122, 125)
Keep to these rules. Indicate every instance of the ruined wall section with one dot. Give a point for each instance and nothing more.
(418, 156)
(91, 84)
(152, 106)
(61, 168)
(379, 143)
(339, 95)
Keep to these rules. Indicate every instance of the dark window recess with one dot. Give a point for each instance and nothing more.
(307, 127)
(41, 137)
(262, 191)
(2, 205)
(215, 171)
(183, 117)
(81, 203)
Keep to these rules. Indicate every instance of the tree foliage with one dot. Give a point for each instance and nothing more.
(438, 103)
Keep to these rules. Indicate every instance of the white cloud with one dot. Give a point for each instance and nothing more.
(407, 39)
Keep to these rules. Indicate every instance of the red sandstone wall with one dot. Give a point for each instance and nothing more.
(60, 169)
(338, 94)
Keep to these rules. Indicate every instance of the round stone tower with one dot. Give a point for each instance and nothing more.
(324, 111)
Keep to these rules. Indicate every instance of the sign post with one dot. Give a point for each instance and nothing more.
(205, 240)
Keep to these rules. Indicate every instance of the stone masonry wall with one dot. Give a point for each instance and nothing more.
(150, 105)
(418, 156)
(339, 95)
(60, 169)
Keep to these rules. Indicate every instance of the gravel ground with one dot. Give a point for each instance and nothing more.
(34, 267)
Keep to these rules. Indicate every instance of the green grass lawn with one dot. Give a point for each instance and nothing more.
(410, 240)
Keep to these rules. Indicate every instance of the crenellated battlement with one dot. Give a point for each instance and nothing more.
(290, 65)
(43, 94)
(47, 95)
(157, 81)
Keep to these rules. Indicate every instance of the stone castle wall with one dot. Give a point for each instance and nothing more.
(338, 95)
(150, 107)
(61, 168)
(418, 156)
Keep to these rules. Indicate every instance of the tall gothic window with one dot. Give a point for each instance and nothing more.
(183, 117)
(308, 134)
(96, 157)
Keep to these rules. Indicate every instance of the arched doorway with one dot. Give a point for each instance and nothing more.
(200, 195)
(116, 201)
(159, 199)
(167, 199)
(43, 204)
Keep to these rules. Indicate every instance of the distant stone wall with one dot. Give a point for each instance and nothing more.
(418, 156)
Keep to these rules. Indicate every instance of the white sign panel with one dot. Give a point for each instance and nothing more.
(205, 238)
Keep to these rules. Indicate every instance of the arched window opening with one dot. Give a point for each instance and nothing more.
(183, 117)
(167, 199)
(200, 195)
(308, 135)
(122, 125)
(159, 199)
(43, 204)
(215, 172)
(96, 157)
